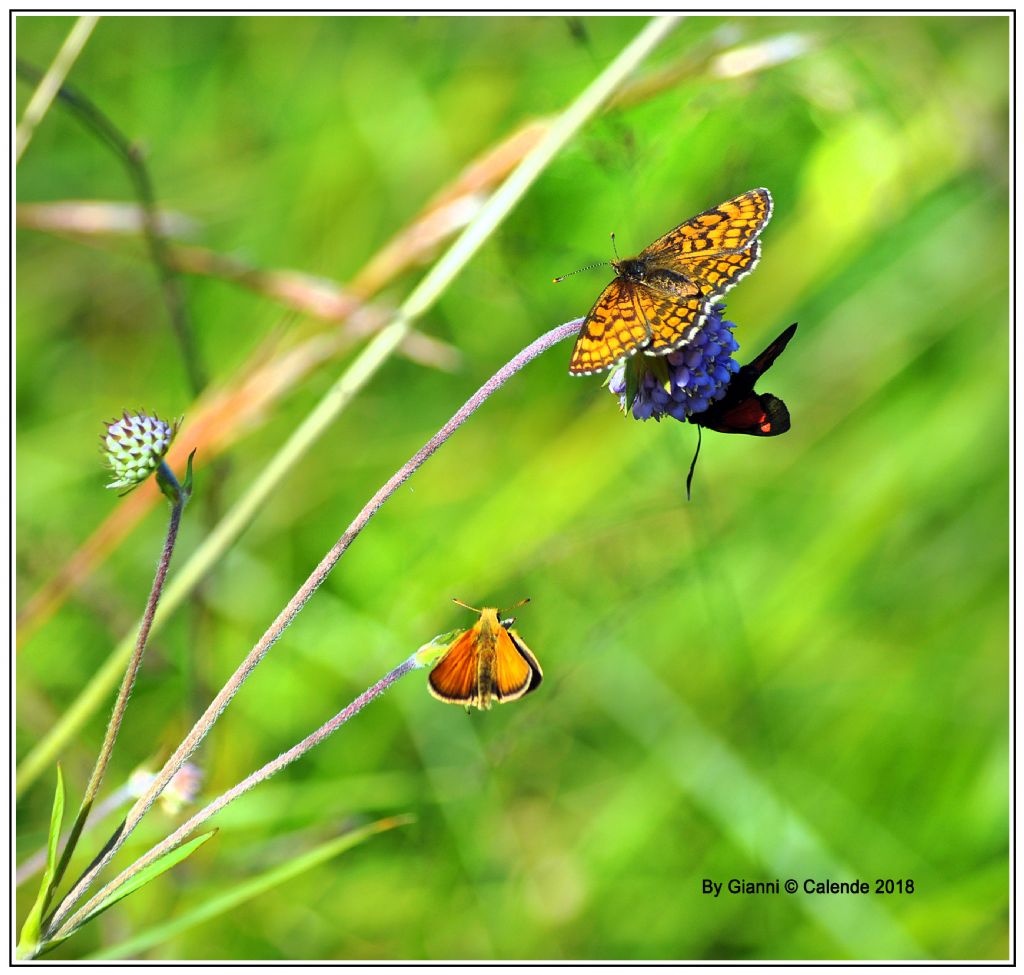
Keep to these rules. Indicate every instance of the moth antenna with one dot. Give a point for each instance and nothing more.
(589, 267)
(693, 464)
(459, 602)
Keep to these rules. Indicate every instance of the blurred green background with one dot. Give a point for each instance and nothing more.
(801, 673)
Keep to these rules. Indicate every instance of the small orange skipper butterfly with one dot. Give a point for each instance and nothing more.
(486, 663)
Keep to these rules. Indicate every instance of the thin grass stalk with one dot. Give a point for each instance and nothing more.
(357, 375)
(50, 83)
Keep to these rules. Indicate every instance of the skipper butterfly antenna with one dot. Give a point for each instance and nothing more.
(459, 602)
(522, 602)
(511, 619)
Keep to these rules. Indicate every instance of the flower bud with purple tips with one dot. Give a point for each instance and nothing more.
(134, 446)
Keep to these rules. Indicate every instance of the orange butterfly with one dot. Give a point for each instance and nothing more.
(486, 663)
(659, 299)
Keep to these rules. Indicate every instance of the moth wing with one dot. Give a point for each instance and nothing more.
(741, 389)
(776, 416)
(759, 415)
(764, 361)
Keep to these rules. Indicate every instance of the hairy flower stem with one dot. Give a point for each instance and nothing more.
(170, 483)
(260, 775)
(199, 731)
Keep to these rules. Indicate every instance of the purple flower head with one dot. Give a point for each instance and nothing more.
(684, 382)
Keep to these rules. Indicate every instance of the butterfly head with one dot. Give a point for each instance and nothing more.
(630, 268)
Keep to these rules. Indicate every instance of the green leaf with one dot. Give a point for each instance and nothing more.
(632, 385)
(71, 843)
(186, 486)
(28, 942)
(145, 876)
(247, 890)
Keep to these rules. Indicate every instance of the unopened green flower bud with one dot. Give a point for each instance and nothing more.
(135, 446)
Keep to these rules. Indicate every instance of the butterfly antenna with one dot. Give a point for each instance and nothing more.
(615, 249)
(459, 602)
(693, 464)
(589, 267)
(522, 602)
(507, 621)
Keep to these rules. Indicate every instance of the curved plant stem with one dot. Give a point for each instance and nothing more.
(199, 731)
(260, 775)
(356, 376)
(131, 155)
(128, 681)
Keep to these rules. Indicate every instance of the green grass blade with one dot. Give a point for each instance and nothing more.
(222, 903)
(28, 943)
(142, 878)
(150, 874)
